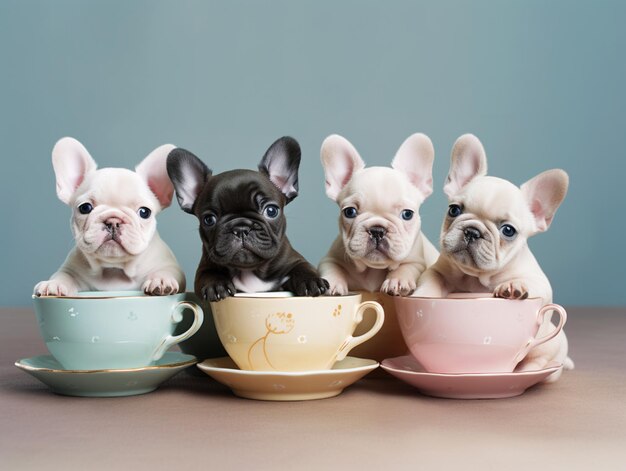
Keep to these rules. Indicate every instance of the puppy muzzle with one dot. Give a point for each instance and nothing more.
(244, 242)
(113, 226)
(370, 246)
(378, 243)
(377, 234)
(471, 234)
(471, 245)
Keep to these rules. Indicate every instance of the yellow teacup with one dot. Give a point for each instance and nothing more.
(279, 332)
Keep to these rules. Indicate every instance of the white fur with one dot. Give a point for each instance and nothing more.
(506, 268)
(248, 282)
(379, 194)
(136, 257)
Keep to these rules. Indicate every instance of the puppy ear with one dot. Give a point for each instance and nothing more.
(340, 160)
(415, 159)
(153, 170)
(71, 162)
(188, 175)
(468, 161)
(544, 194)
(280, 164)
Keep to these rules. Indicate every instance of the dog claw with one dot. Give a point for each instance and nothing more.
(308, 286)
(53, 288)
(336, 287)
(398, 287)
(511, 290)
(218, 291)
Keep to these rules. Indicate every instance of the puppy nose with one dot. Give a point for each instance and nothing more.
(471, 234)
(377, 233)
(241, 231)
(113, 223)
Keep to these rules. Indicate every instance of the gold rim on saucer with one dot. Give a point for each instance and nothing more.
(112, 370)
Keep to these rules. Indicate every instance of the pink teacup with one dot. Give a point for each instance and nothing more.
(473, 334)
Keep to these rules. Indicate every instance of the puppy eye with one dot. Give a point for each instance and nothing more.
(271, 211)
(454, 210)
(350, 212)
(508, 231)
(209, 220)
(144, 212)
(407, 214)
(85, 208)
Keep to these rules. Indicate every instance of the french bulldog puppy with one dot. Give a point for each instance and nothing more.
(380, 246)
(114, 226)
(242, 224)
(484, 239)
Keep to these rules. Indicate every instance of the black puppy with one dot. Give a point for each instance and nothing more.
(242, 225)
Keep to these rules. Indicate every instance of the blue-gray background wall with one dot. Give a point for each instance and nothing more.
(541, 83)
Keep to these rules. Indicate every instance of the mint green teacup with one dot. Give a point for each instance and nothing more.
(112, 329)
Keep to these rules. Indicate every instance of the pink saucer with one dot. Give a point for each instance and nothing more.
(465, 386)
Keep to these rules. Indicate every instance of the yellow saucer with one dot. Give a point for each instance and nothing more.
(288, 386)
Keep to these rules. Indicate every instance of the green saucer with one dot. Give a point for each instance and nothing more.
(104, 383)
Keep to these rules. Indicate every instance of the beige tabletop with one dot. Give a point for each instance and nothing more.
(193, 422)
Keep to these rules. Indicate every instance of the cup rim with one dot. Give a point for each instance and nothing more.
(279, 295)
(468, 297)
(265, 294)
(137, 294)
(117, 294)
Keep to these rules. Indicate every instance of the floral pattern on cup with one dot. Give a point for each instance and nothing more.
(278, 323)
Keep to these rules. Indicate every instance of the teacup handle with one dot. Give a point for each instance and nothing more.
(177, 316)
(540, 318)
(352, 342)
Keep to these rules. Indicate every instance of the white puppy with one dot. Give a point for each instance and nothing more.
(380, 246)
(484, 239)
(114, 226)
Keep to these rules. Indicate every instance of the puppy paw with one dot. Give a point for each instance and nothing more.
(337, 286)
(160, 285)
(54, 288)
(338, 289)
(217, 290)
(515, 289)
(307, 285)
(398, 287)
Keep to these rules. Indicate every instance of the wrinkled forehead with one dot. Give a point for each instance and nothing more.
(493, 198)
(116, 187)
(239, 189)
(380, 189)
